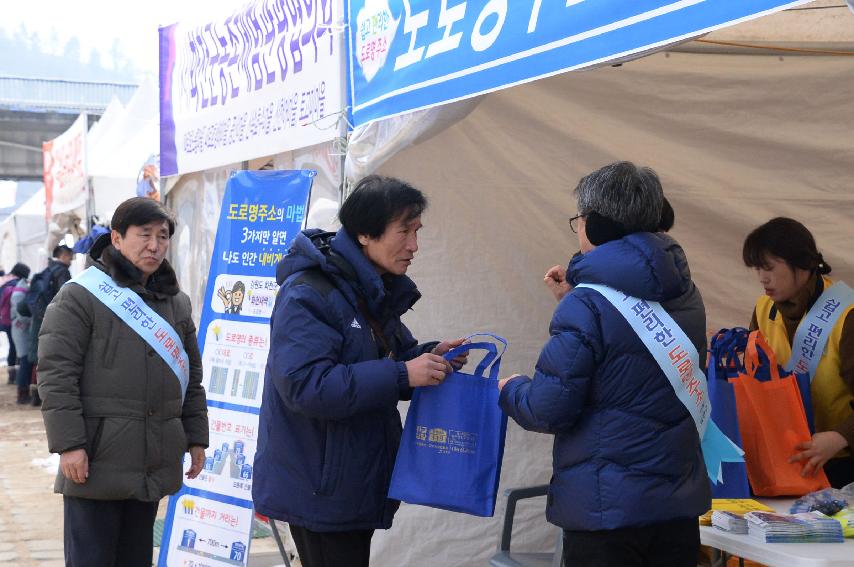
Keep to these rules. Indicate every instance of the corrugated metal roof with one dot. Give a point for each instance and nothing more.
(58, 95)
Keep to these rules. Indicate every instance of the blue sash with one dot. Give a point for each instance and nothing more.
(151, 327)
(815, 328)
(679, 360)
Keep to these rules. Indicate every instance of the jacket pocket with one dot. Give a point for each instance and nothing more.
(95, 440)
(122, 443)
(331, 466)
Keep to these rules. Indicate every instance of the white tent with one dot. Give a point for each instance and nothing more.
(738, 135)
(119, 145)
(23, 235)
(737, 138)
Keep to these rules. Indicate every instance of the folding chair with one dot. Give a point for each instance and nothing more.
(506, 558)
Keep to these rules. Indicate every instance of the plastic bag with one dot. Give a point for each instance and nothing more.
(828, 501)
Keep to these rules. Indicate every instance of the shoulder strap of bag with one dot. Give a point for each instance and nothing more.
(376, 329)
(143, 320)
(318, 280)
(679, 360)
(815, 328)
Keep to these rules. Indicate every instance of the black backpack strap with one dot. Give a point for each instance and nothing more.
(315, 279)
(320, 282)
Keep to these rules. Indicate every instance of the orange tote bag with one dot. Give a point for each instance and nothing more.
(772, 421)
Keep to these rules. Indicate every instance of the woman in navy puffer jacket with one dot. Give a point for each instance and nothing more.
(629, 479)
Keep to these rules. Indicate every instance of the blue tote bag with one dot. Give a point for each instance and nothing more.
(453, 441)
(725, 362)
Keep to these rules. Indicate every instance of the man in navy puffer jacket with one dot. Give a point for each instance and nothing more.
(340, 360)
(629, 479)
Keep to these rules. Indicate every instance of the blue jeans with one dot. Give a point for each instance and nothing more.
(25, 372)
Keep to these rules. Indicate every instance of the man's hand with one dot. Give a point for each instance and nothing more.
(503, 381)
(75, 465)
(555, 280)
(818, 451)
(445, 346)
(197, 461)
(427, 370)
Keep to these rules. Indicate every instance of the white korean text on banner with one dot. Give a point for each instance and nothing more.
(65, 182)
(410, 54)
(264, 80)
(209, 521)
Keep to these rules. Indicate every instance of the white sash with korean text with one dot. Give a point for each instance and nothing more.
(151, 327)
(679, 360)
(815, 328)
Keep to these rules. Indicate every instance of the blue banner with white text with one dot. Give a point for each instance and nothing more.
(406, 55)
(209, 521)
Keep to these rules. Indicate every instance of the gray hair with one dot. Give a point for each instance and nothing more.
(625, 193)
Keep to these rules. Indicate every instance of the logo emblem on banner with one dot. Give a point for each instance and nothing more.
(375, 29)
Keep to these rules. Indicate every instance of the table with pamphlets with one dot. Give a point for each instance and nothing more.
(779, 554)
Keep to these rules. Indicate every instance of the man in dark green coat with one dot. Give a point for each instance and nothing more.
(120, 411)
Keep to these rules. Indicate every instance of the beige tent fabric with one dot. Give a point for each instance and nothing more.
(736, 139)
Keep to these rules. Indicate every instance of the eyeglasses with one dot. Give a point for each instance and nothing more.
(573, 225)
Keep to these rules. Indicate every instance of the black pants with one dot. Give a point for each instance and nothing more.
(11, 356)
(669, 544)
(108, 533)
(333, 549)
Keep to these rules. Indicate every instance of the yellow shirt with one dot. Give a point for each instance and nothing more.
(831, 398)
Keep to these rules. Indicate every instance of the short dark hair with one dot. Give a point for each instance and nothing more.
(138, 211)
(21, 270)
(62, 250)
(787, 239)
(668, 216)
(238, 286)
(377, 201)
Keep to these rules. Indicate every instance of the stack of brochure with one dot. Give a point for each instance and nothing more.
(806, 527)
(729, 522)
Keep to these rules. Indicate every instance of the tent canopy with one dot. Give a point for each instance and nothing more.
(736, 139)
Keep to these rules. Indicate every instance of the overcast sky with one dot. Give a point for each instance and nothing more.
(99, 23)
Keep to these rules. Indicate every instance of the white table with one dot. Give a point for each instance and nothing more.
(780, 554)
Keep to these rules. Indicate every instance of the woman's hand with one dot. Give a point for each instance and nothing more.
(503, 381)
(817, 451)
(555, 280)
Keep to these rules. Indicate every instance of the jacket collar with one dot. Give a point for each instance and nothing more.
(642, 264)
(381, 293)
(161, 284)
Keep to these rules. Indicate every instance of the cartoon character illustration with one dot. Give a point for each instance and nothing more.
(232, 300)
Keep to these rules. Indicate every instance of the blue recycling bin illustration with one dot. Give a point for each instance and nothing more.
(238, 551)
(238, 447)
(188, 540)
(246, 472)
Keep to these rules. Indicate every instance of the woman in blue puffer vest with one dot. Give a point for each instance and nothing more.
(629, 479)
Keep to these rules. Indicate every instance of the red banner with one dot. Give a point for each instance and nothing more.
(65, 169)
